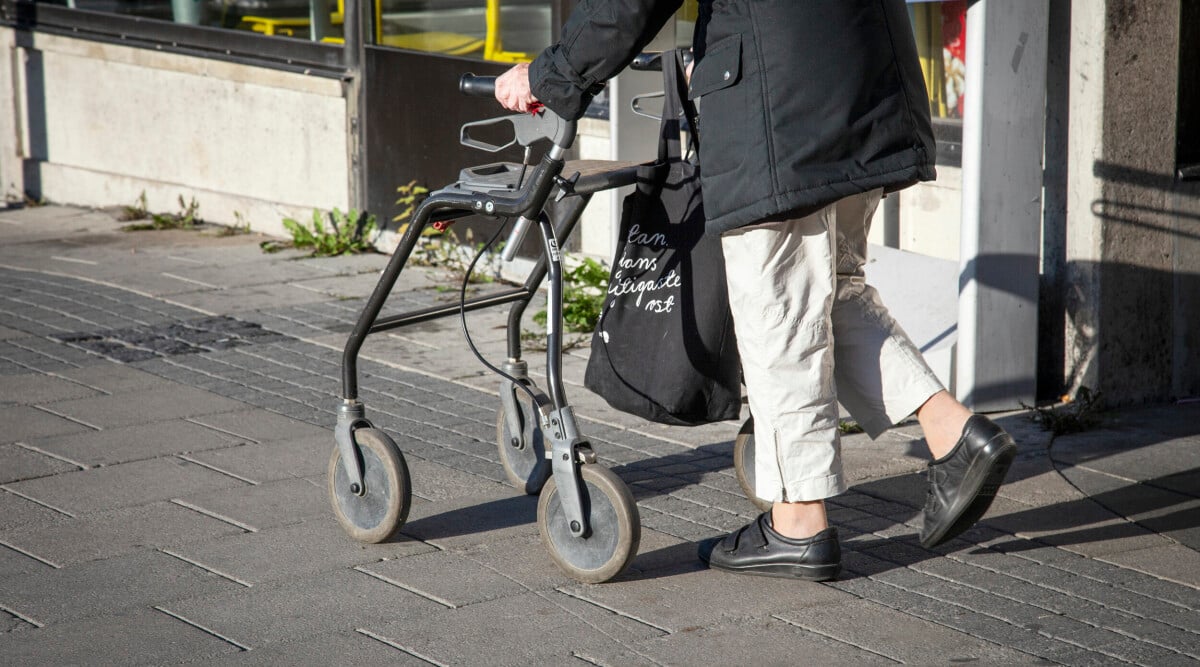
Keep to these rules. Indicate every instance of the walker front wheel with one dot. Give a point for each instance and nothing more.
(616, 530)
(743, 464)
(522, 450)
(377, 511)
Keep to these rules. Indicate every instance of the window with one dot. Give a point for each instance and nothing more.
(303, 32)
(498, 30)
(941, 31)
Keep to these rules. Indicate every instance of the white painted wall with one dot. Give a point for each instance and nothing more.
(120, 121)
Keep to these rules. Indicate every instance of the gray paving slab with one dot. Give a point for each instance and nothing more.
(1174, 562)
(357, 647)
(22, 423)
(437, 482)
(305, 457)
(18, 462)
(275, 503)
(690, 595)
(566, 627)
(124, 485)
(117, 378)
(139, 580)
(286, 552)
(144, 406)
(116, 532)
(252, 272)
(245, 299)
(15, 564)
(447, 578)
(327, 602)
(17, 511)
(464, 522)
(260, 426)
(39, 389)
(900, 636)
(771, 640)
(7, 333)
(139, 637)
(134, 443)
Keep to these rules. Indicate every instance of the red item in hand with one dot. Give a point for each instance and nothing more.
(535, 108)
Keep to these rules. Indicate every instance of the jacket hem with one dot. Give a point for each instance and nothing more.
(818, 196)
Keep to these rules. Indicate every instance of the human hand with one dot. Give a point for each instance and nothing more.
(512, 89)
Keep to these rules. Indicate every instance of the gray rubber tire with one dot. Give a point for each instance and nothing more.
(615, 533)
(526, 467)
(381, 511)
(743, 464)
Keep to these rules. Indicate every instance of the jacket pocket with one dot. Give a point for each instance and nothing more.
(720, 68)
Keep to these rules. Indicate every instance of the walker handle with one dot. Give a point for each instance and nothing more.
(477, 86)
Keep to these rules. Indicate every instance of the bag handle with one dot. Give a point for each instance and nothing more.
(675, 105)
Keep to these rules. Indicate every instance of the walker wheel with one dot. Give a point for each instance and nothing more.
(382, 509)
(615, 528)
(743, 464)
(522, 450)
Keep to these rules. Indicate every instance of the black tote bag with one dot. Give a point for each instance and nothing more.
(664, 348)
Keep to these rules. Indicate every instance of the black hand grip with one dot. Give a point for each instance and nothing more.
(647, 62)
(652, 61)
(477, 86)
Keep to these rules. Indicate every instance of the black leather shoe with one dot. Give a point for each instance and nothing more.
(758, 549)
(963, 483)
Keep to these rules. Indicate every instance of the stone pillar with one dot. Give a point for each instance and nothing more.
(12, 181)
(1131, 249)
(1001, 203)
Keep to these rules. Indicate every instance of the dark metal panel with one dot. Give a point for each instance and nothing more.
(411, 128)
(1187, 149)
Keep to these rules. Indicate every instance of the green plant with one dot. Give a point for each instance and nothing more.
(346, 233)
(136, 211)
(584, 289)
(848, 427)
(411, 196)
(240, 226)
(444, 250)
(187, 217)
(1072, 415)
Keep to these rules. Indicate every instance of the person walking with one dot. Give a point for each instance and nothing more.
(808, 112)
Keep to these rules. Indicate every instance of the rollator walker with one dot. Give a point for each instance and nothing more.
(586, 515)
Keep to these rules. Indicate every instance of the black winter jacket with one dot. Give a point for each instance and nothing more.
(802, 102)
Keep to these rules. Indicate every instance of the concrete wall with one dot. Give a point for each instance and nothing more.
(98, 124)
(1133, 263)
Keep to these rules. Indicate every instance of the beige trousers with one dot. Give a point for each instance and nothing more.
(812, 333)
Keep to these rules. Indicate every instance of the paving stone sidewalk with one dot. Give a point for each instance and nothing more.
(166, 404)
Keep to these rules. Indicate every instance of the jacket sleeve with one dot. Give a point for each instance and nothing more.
(599, 39)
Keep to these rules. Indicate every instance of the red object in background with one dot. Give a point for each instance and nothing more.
(954, 54)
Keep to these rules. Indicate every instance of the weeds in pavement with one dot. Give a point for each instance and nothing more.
(1075, 415)
(335, 233)
(135, 211)
(187, 218)
(240, 226)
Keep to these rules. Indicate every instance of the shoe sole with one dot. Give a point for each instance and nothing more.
(984, 479)
(782, 571)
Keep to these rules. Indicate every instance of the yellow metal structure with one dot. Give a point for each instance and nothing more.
(449, 43)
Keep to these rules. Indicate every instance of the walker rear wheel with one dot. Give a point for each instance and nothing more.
(616, 530)
(522, 450)
(743, 464)
(381, 509)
